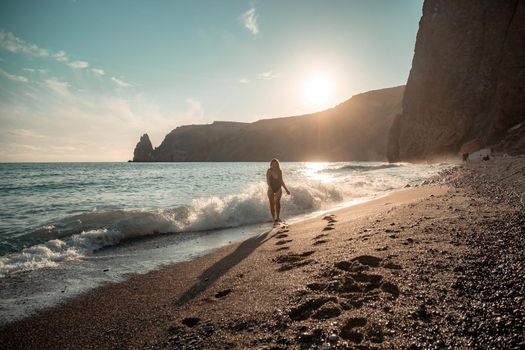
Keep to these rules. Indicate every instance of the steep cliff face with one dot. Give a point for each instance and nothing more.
(143, 150)
(354, 130)
(467, 79)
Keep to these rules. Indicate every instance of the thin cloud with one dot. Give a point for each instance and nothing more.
(244, 81)
(60, 87)
(33, 70)
(195, 108)
(78, 64)
(13, 77)
(61, 56)
(67, 138)
(194, 113)
(267, 75)
(120, 83)
(25, 133)
(250, 21)
(98, 71)
(9, 42)
(64, 149)
(31, 147)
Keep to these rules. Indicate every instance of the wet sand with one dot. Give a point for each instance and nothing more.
(436, 266)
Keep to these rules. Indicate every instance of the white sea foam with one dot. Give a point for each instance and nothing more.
(315, 188)
(42, 255)
(108, 228)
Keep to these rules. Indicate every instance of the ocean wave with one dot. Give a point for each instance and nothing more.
(356, 167)
(74, 237)
(49, 254)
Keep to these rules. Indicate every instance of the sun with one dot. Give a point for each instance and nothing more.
(318, 90)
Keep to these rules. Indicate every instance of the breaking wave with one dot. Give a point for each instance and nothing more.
(74, 237)
(357, 167)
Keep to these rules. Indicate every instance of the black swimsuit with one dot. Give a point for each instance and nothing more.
(275, 184)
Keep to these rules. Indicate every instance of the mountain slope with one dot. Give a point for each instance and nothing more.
(354, 130)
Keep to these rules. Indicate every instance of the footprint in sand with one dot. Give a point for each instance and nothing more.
(329, 217)
(283, 241)
(282, 248)
(349, 332)
(282, 235)
(288, 267)
(222, 293)
(191, 321)
(304, 310)
(292, 260)
(409, 241)
(328, 228)
(320, 241)
(328, 310)
(368, 260)
(391, 288)
(321, 236)
(347, 285)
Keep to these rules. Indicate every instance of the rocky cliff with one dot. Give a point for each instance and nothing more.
(467, 80)
(143, 150)
(354, 130)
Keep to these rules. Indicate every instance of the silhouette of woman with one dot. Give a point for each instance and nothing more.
(274, 179)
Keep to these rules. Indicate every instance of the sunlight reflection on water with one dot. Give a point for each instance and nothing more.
(313, 171)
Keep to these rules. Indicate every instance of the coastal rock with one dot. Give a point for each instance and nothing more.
(514, 141)
(143, 150)
(356, 129)
(467, 79)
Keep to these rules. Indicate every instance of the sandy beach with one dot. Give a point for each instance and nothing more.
(435, 266)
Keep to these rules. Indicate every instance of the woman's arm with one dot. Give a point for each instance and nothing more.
(284, 185)
(268, 177)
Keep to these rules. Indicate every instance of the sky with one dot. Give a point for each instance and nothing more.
(83, 80)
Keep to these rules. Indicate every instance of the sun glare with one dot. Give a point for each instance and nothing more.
(318, 90)
(314, 171)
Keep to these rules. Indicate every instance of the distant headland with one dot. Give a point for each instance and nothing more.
(356, 129)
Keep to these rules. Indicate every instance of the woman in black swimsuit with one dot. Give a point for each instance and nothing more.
(274, 179)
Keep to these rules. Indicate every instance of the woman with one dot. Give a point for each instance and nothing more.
(274, 179)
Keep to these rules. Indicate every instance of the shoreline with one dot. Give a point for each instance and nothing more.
(192, 256)
(28, 303)
(366, 274)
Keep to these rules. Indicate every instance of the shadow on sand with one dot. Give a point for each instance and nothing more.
(214, 272)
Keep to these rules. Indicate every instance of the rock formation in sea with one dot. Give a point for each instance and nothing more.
(354, 130)
(144, 150)
(467, 82)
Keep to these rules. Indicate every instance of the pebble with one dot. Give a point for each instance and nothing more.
(332, 337)
(325, 346)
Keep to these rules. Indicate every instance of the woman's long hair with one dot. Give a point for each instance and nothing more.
(277, 162)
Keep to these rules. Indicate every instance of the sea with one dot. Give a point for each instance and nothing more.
(66, 228)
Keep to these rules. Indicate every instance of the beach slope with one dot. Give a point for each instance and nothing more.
(435, 265)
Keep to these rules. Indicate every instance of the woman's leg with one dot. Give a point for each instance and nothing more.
(272, 203)
(278, 195)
